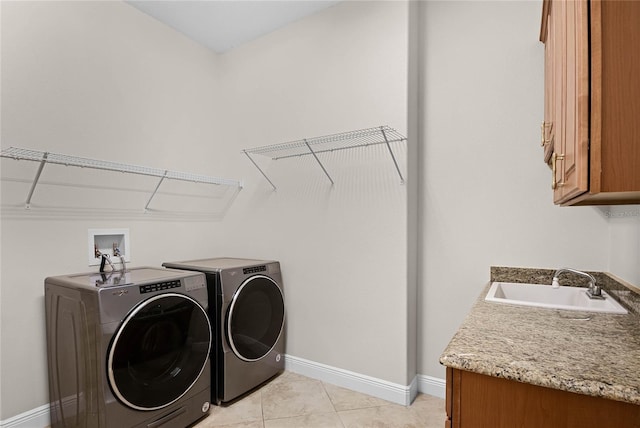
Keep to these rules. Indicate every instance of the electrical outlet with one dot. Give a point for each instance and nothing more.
(105, 241)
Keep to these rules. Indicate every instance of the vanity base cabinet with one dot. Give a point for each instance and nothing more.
(479, 401)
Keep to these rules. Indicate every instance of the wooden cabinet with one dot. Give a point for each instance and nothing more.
(591, 128)
(478, 401)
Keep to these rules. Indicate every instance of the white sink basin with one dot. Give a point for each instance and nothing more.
(545, 296)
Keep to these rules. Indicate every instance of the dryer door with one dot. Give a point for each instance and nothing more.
(159, 351)
(255, 318)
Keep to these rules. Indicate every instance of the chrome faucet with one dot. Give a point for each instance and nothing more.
(594, 291)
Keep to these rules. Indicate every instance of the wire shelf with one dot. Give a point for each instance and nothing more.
(44, 158)
(329, 143)
(67, 160)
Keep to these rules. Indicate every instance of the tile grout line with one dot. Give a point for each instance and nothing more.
(262, 407)
(332, 404)
(329, 397)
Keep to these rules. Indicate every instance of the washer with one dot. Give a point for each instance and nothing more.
(246, 302)
(128, 349)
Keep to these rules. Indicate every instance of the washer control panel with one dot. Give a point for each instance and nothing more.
(167, 285)
(254, 269)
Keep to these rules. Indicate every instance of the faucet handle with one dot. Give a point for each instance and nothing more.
(595, 292)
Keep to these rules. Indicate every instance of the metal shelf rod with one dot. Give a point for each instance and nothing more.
(391, 153)
(260, 169)
(35, 180)
(319, 163)
(155, 190)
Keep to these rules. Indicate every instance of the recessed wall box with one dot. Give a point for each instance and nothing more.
(106, 241)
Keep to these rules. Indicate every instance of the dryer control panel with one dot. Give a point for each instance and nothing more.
(254, 269)
(167, 285)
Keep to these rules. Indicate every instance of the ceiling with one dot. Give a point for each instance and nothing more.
(222, 25)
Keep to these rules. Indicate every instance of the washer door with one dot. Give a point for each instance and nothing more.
(159, 351)
(255, 318)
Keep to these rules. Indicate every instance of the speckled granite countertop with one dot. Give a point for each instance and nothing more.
(587, 353)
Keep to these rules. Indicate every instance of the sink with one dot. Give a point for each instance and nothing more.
(545, 296)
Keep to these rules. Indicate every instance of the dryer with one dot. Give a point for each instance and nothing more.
(128, 349)
(246, 306)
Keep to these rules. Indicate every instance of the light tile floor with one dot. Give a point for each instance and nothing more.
(294, 401)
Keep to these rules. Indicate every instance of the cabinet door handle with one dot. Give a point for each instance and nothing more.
(543, 131)
(554, 159)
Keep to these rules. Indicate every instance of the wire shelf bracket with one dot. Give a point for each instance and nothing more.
(329, 143)
(44, 158)
(319, 163)
(259, 169)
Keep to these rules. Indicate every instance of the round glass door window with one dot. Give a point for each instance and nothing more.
(255, 318)
(159, 351)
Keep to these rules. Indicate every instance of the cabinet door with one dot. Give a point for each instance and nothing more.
(570, 160)
(452, 403)
(615, 100)
(480, 401)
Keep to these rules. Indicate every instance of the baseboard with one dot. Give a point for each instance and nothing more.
(396, 393)
(400, 394)
(34, 418)
(432, 386)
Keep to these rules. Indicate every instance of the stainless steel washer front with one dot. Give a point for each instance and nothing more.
(128, 349)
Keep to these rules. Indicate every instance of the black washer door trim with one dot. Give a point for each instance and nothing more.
(255, 319)
(159, 351)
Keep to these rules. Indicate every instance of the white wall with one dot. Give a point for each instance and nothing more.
(485, 193)
(343, 250)
(103, 80)
(624, 242)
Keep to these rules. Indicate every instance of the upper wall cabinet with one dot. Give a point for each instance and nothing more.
(591, 127)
